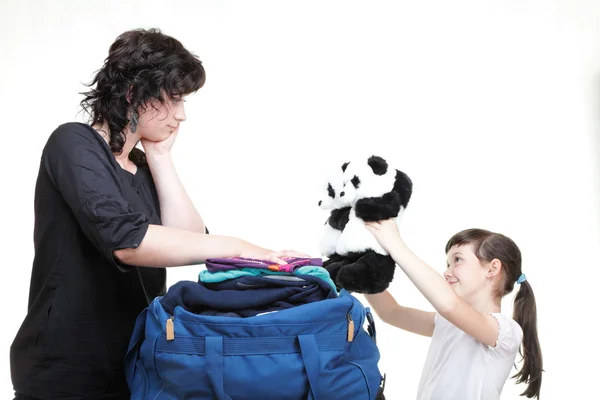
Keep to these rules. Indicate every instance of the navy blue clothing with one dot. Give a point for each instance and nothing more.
(82, 302)
(246, 296)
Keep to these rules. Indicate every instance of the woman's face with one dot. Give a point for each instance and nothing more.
(159, 120)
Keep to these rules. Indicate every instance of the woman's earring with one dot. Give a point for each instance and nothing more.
(133, 123)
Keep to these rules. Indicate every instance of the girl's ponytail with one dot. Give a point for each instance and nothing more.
(525, 313)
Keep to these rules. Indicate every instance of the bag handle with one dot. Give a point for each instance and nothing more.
(215, 367)
(133, 349)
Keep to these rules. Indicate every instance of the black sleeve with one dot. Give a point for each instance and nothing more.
(79, 164)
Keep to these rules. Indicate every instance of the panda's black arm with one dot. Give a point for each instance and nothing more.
(378, 208)
(339, 218)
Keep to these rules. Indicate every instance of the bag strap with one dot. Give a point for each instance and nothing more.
(380, 395)
(215, 367)
(250, 346)
(371, 327)
(312, 364)
(134, 346)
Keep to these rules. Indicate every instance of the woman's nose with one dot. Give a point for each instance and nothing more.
(180, 113)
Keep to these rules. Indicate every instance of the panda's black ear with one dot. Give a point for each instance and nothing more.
(378, 165)
(330, 191)
(344, 166)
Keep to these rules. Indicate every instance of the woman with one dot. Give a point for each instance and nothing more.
(108, 219)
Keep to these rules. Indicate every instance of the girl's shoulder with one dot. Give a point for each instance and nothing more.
(507, 322)
(510, 333)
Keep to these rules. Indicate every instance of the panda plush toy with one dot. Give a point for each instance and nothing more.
(339, 207)
(375, 192)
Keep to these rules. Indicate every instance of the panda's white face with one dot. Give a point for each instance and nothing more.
(327, 199)
(330, 198)
(361, 182)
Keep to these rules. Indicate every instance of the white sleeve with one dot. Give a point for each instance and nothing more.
(510, 336)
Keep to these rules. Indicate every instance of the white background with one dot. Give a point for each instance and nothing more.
(490, 106)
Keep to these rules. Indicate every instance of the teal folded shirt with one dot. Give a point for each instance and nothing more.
(220, 276)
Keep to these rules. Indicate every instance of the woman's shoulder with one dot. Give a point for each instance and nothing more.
(72, 134)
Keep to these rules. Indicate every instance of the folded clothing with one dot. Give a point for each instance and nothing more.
(247, 296)
(229, 263)
(220, 276)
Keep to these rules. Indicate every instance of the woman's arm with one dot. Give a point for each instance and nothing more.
(167, 247)
(408, 319)
(176, 207)
(433, 286)
(78, 164)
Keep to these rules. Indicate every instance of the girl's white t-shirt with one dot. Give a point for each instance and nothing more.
(458, 367)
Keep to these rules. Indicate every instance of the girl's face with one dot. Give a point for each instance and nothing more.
(160, 120)
(467, 275)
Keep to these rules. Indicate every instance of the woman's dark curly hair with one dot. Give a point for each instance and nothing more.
(140, 67)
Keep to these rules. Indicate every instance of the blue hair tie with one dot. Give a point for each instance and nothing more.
(521, 279)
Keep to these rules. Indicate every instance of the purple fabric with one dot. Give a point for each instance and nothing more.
(225, 264)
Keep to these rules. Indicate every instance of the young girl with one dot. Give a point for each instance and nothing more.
(473, 345)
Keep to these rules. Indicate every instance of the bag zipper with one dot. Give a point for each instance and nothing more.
(170, 328)
(350, 327)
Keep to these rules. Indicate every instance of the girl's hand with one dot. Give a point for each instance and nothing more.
(386, 232)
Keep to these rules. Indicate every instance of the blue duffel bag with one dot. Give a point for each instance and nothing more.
(314, 351)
